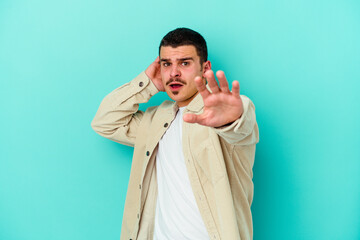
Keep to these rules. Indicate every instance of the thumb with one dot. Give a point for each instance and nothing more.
(191, 118)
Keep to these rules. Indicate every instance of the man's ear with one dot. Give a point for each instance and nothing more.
(206, 66)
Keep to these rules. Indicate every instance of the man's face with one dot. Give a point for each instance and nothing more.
(179, 67)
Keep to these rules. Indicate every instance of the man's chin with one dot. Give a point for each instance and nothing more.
(181, 100)
(173, 94)
(176, 97)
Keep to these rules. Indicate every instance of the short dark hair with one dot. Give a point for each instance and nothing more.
(186, 36)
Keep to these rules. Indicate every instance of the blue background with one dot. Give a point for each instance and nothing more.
(299, 61)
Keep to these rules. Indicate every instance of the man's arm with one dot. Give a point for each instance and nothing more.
(232, 116)
(118, 116)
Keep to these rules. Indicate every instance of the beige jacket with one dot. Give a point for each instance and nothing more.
(219, 160)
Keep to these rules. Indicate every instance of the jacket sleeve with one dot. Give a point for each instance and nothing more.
(243, 131)
(118, 117)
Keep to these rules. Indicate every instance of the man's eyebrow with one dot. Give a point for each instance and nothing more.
(179, 59)
(187, 58)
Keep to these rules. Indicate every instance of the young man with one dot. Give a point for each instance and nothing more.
(191, 175)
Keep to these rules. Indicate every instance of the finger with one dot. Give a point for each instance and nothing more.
(210, 77)
(200, 85)
(224, 86)
(235, 88)
(192, 118)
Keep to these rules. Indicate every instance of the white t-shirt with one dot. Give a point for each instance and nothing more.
(177, 215)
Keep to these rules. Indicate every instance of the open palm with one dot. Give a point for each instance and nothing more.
(221, 106)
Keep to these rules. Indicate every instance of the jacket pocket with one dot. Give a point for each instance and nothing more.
(207, 162)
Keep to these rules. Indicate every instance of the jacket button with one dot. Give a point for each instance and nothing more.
(147, 153)
(141, 84)
(166, 124)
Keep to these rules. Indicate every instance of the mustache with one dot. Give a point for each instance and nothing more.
(175, 80)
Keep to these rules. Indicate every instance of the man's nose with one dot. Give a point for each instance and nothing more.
(175, 71)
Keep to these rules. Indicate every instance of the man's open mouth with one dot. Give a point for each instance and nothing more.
(175, 86)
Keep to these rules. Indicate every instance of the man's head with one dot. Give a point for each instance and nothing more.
(186, 36)
(183, 56)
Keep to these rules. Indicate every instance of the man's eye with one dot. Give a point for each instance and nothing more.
(166, 64)
(185, 63)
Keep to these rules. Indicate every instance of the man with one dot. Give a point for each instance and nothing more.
(191, 175)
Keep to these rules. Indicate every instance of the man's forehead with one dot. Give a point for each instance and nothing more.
(178, 53)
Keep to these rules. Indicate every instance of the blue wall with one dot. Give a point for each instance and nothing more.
(299, 61)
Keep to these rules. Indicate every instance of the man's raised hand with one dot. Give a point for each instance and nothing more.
(153, 72)
(221, 106)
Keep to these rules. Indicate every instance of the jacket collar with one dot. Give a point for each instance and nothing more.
(196, 105)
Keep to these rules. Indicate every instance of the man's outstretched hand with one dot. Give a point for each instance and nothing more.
(221, 106)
